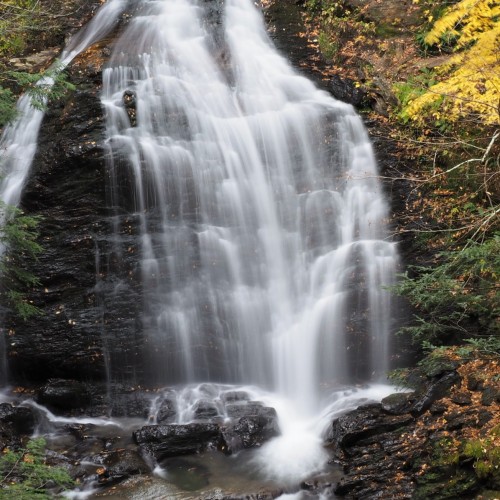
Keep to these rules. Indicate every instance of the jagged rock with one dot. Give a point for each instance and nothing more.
(164, 441)
(62, 394)
(345, 89)
(363, 423)
(436, 389)
(252, 424)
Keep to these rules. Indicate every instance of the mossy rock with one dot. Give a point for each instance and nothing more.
(444, 484)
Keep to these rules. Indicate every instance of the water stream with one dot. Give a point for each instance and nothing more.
(261, 219)
(263, 250)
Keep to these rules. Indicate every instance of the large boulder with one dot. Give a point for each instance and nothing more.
(162, 441)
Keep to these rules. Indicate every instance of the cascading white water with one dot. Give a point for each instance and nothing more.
(260, 214)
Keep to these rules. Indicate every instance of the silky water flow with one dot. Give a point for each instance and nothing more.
(263, 247)
(263, 251)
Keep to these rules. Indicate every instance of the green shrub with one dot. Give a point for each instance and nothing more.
(459, 291)
(26, 476)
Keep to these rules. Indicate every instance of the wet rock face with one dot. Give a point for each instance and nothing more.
(64, 395)
(78, 270)
(18, 419)
(344, 89)
(412, 445)
(120, 465)
(251, 426)
(364, 424)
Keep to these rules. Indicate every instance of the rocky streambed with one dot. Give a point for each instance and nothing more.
(437, 441)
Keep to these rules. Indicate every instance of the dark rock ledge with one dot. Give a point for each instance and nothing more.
(411, 445)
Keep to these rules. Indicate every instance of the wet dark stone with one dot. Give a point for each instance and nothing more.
(461, 398)
(205, 410)
(129, 101)
(490, 395)
(435, 390)
(61, 394)
(120, 465)
(475, 383)
(84, 313)
(459, 419)
(164, 441)
(483, 417)
(80, 431)
(252, 425)
(344, 89)
(364, 423)
(438, 408)
(167, 412)
(235, 411)
(233, 396)
(131, 404)
(18, 418)
(398, 403)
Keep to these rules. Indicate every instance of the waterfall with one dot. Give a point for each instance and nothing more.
(251, 204)
(261, 221)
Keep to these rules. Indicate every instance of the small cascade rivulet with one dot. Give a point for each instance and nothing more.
(254, 204)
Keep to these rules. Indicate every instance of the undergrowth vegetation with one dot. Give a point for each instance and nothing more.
(22, 23)
(25, 475)
(18, 241)
(457, 295)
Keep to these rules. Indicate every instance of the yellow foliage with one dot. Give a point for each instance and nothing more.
(470, 81)
(465, 21)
